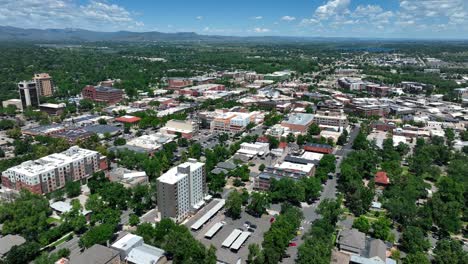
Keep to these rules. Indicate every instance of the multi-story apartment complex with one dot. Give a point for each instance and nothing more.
(331, 118)
(103, 94)
(177, 83)
(52, 172)
(181, 190)
(28, 93)
(44, 84)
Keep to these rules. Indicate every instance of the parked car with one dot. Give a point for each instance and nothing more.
(292, 244)
(272, 220)
(250, 229)
(253, 226)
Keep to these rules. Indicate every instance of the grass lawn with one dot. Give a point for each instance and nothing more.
(51, 220)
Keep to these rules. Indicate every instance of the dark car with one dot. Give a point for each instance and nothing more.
(253, 226)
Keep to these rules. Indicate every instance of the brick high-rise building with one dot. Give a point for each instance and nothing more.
(52, 172)
(181, 190)
(44, 84)
(103, 94)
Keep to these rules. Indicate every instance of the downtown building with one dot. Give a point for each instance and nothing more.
(102, 94)
(181, 190)
(44, 84)
(29, 94)
(52, 172)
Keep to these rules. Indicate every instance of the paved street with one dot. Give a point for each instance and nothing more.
(328, 192)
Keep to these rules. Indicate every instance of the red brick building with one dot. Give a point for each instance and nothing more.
(319, 148)
(381, 178)
(103, 94)
(177, 83)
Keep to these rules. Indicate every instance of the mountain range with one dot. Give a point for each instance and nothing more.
(8, 33)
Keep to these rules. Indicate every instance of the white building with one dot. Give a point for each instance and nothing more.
(251, 150)
(150, 143)
(329, 118)
(14, 102)
(182, 190)
(133, 249)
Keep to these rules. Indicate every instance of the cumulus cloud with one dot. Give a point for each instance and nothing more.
(288, 18)
(199, 17)
(332, 8)
(454, 11)
(93, 14)
(257, 17)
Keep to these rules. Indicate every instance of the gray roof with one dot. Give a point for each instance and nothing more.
(219, 171)
(96, 254)
(101, 129)
(352, 240)
(9, 241)
(226, 165)
(377, 248)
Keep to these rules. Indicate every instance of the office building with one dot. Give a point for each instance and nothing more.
(102, 94)
(44, 84)
(181, 190)
(28, 93)
(52, 109)
(298, 122)
(331, 118)
(52, 172)
(232, 121)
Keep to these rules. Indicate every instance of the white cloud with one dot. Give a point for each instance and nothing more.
(454, 12)
(288, 18)
(257, 18)
(94, 14)
(332, 8)
(199, 17)
(308, 21)
(261, 30)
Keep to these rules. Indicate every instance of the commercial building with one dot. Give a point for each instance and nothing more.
(187, 128)
(177, 83)
(74, 135)
(250, 150)
(461, 92)
(29, 94)
(44, 84)
(263, 180)
(298, 122)
(331, 118)
(232, 121)
(14, 102)
(102, 94)
(181, 190)
(319, 148)
(128, 119)
(52, 109)
(52, 172)
(146, 143)
(133, 250)
(201, 89)
(46, 130)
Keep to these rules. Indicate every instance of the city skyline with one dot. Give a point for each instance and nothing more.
(428, 19)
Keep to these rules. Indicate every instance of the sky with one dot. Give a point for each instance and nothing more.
(429, 19)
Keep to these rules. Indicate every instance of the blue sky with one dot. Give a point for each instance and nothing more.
(322, 18)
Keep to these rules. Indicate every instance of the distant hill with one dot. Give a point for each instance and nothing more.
(81, 35)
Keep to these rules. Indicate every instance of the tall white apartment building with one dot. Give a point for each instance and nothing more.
(52, 172)
(181, 190)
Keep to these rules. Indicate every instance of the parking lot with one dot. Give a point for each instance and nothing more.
(225, 254)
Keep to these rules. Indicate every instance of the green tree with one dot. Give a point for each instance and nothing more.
(416, 258)
(73, 189)
(414, 240)
(134, 220)
(97, 235)
(381, 228)
(362, 224)
(313, 130)
(259, 202)
(120, 141)
(449, 251)
(23, 253)
(261, 167)
(234, 204)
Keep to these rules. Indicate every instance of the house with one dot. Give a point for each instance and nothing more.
(8, 242)
(382, 179)
(132, 249)
(97, 254)
(351, 241)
